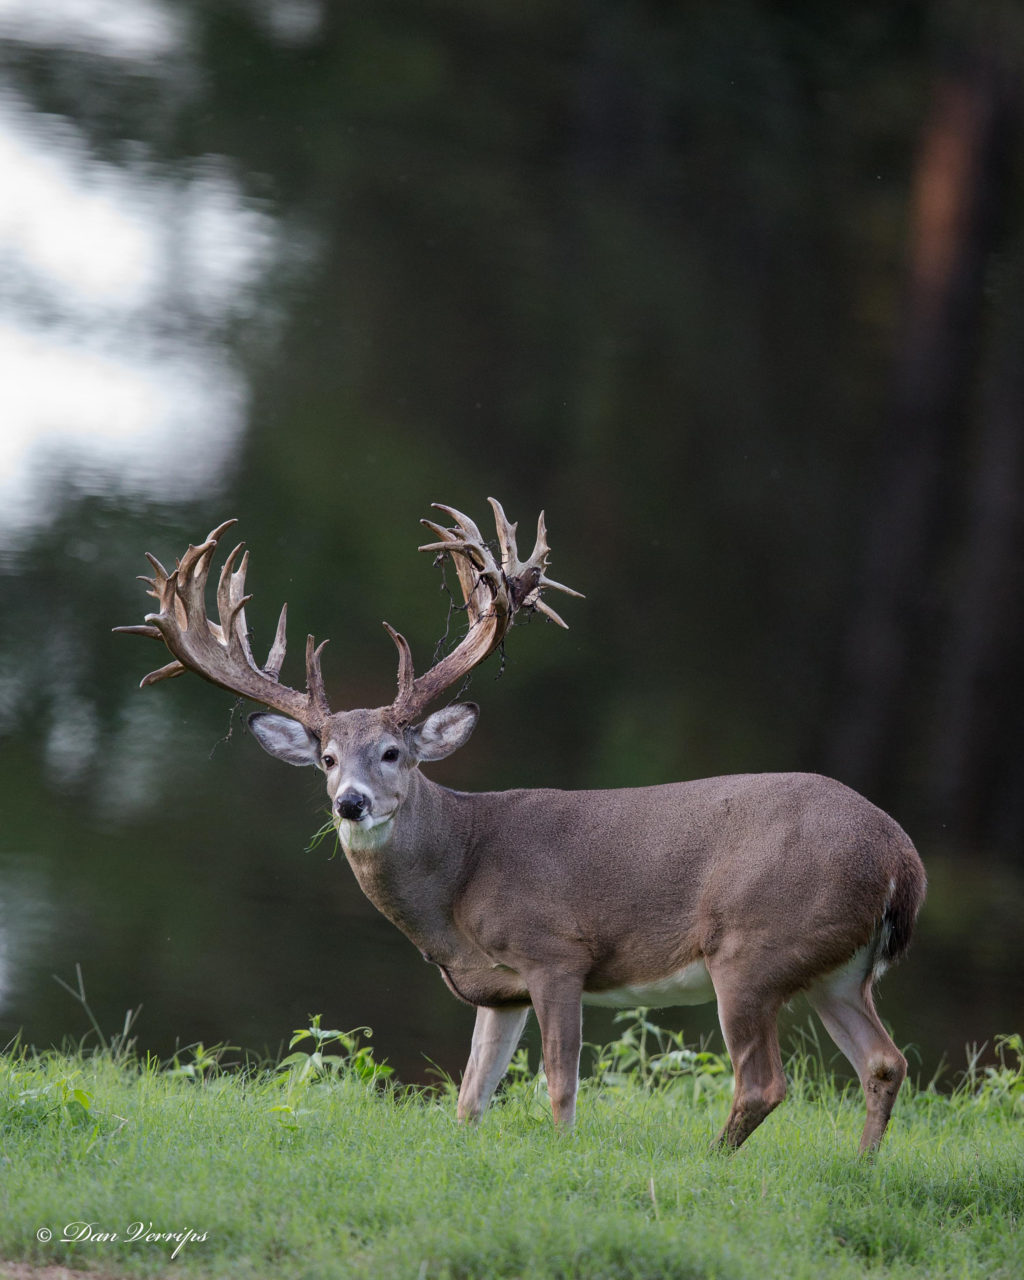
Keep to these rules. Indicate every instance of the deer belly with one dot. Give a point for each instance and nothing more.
(689, 985)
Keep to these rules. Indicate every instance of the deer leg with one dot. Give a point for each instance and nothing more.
(751, 1036)
(843, 1002)
(495, 1036)
(559, 1009)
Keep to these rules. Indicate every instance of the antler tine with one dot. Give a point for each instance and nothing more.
(215, 535)
(315, 681)
(220, 651)
(275, 658)
(545, 581)
(548, 612)
(541, 547)
(142, 629)
(156, 583)
(510, 551)
(169, 672)
(447, 544)
(406, 672)
(231, 602)
(189, 580)
(224, 586)
(506, 533)
(466, 525)
(193, 570)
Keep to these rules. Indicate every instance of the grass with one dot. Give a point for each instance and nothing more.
(325, 1167)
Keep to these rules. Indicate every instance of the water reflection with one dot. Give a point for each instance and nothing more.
(142, 30)
(27, 927)
(118, 285)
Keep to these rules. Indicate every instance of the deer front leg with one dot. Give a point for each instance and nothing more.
(495, 1037)
(559, 1009)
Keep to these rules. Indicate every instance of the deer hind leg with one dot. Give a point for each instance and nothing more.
(844, 1004)
(495, 1036)
(752, 1038)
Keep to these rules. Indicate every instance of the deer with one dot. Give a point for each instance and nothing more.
(744, 889)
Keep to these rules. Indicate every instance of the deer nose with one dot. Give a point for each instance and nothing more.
(352, 805)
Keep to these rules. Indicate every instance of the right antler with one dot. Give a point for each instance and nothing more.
(493, 593)
(220, 652)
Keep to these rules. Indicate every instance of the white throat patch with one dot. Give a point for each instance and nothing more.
(365, 835)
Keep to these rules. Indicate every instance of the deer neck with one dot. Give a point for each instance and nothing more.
(411, 867)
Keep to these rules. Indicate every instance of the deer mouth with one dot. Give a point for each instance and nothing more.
(368, 821)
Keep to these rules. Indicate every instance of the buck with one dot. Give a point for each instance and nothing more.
(743, 889)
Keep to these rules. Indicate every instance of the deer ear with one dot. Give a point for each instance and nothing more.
(444, 732)
(284, 738)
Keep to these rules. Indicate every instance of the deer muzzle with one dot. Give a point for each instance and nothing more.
(352, 805)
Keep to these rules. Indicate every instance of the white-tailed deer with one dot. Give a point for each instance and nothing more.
(744, 889)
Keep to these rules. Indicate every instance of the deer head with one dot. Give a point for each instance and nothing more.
(368, 756)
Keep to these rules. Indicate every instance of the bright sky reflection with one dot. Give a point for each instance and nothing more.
(114, 283)
(135, 29)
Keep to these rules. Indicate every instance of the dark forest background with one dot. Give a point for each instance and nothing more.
(734, 292)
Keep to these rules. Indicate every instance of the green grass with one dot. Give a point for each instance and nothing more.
(325, 1167)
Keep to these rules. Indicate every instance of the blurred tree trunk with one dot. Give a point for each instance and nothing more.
(893, 640)
(975, 772)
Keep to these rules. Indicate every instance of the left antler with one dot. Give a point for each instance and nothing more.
(494, 593)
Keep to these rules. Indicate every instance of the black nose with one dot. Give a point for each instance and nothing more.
(352, 805)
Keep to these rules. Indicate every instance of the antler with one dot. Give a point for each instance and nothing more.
(220, 652)
(493, 593)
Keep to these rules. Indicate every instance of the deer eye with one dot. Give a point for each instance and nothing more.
(329, 762)
(390, 756)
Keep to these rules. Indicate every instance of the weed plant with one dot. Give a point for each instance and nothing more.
(324, 1166)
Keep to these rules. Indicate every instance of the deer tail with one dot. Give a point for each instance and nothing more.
(895, 929)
